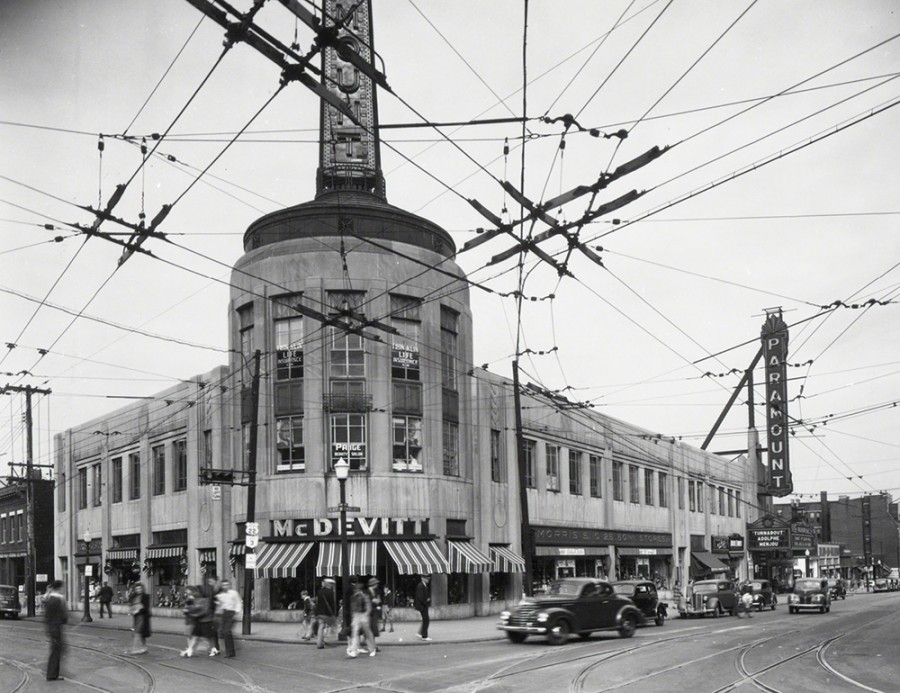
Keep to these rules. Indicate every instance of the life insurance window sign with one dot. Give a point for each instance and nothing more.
(404, 355)
(769, 538)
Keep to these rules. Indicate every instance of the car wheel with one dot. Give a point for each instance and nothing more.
(629, 625)
(516, 637)
(715, 612)
(792, 610)
(821, 609)
(559, 633)
(774, 602)
(660, 619)
(828, 609)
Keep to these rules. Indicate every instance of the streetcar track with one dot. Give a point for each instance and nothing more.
(26, 676)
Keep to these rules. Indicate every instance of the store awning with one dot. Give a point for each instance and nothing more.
(207, 555)
(237, 550)
(122, 554)
(417, 557)
(465, 558)
(506, 561)
(156, 552)
(631, 551)
(360, 554)
(708, 560)
(280, 560)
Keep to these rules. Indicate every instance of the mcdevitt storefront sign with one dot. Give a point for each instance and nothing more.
(356, 527)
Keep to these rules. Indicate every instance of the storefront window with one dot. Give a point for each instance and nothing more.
(457, 588)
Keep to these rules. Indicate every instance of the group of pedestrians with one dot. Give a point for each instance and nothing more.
(209, 614)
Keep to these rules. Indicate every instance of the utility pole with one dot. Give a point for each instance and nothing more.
(251, 491)
(29, 493)
(527, 543)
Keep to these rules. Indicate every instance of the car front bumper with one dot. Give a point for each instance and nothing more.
(530, 630)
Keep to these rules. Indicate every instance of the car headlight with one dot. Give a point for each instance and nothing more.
(793, 598)
(705, 599)
(504, 615)
(818, 597)
(542, 616)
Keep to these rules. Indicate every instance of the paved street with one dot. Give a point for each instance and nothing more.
(857, 641)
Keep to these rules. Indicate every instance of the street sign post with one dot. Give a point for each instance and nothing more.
(337, 509)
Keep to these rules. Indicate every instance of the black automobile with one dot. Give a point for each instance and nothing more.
(645, 597)
(9, 601)
(837, 588)
(810, 593)
(763, 595)
(571, 605)
(713, 597)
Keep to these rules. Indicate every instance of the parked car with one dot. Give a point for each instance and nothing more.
(571, 605)
(645, 597)
(9, 601)
(713, 597)
(881, 585)
(810, 593)
(763, 595)
(837, 588)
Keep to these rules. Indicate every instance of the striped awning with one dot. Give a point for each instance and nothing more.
(417, 557)
(361, 555)
(154, 553)
(122, 554)
(237, 550)
(280, 560)
(465, 558)
(207, 555)
(506, 561)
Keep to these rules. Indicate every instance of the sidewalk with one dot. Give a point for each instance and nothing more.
(476, 629)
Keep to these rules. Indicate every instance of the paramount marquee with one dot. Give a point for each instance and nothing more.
(775, 348)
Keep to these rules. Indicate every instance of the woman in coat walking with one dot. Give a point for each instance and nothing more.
(139, 607)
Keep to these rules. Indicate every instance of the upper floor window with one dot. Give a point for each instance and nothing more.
(737, 503)
(134, 475)
(61, 490)
(663, 490)
(618, 481)
(289, 443)
(528, 449)
(496, 459)
(712, 499)
(288, 338)
(347, 358)
(692, 504)
(722, 502)
(595, 464)
(407, 443)
(82, 488)
(648, 486)
(451, 448)
(679, 486)
(207, 452)
(116, 480)
(552, 453)
(405, 345)
(98, 485)
(348, 439)
(179, 463)
(245, 336)
(575, 472)
(634, 484)
(449, 347)
(158, 454)
(699, 488)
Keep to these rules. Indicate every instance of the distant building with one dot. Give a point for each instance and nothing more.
(13, 527)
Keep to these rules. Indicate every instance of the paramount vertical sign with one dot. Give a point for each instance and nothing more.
(775, 348)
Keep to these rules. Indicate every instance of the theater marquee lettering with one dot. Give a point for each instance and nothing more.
(357, 527)
(775, 349)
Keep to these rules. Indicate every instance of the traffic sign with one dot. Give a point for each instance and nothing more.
(337, 509)
(251, 542)
(252, 529)
(249, 560)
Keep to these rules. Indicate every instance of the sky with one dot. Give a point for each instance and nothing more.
(778, 188)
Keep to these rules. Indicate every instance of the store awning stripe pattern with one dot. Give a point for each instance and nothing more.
(506, 561)
(157, 552)
(280, 560)
(706, 558)
(417, 557)
(207, 555)
(237, 550)
(465, 558)
(122, 554)
(362, 556)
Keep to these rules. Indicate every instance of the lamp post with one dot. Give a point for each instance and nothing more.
(342, 471)
(86, 618)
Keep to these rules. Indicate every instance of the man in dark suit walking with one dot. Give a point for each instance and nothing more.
(421, 603)
(56, 614)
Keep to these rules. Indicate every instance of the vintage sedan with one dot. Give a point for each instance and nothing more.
(837, 588)
(9, 601)
(810, 593)
(763, 595)
(571, 605)
(645, 597)
(713, 597)
(881, 585)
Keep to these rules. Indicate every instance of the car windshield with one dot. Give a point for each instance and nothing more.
(627, 590)
(7, 591)
(757, 586)
(881, 581)
(810, 584)
(833, 582)
(706, 588)
(564, 587)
